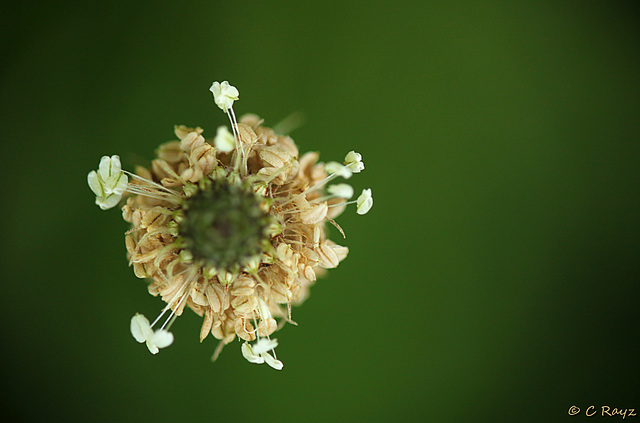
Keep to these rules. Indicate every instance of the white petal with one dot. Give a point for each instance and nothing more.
(140, 328)
(263, 345)
(341, 190)
(224, 140)
(162, 338)
(94, 183)
(248, 353)
(364, 202)
(339, 169)
(276, 364)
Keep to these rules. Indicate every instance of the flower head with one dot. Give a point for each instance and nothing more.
(231, 227)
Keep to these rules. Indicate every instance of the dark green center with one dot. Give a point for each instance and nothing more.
(223, 225)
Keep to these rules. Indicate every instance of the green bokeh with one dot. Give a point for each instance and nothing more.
(495, 279)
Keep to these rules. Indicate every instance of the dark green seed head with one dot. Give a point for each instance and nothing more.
(223, 225)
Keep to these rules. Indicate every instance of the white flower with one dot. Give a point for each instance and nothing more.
(338, 169)
(224, 140)
(258, 353)
(364, 202)
(224, 94)
(142, 332)
(341, 190)
(353, 161)
(108, 183)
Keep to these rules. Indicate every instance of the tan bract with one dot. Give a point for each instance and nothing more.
(297, 252)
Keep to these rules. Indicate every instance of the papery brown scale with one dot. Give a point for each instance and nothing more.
(243, 285)
(244, 329)
(197, 308)
(182, 131)
(207, 324)
(245, 304)
(309, 273)
(267, 327)
(314, 214)
(150, 217)
(288, 145)
(275, 156)
(130, 243)
(170, 152)
(136, 218)
(224, 331)
(280, 293)
(188, 142)
(247, 135)
(252, 120)
(266, 135)
(127, 209)
(198, 294)
(191, 174)
(163, 170)
(140, 271)
(328, 257)
(307, 162)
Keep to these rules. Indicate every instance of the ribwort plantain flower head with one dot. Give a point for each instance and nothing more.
(231, 227)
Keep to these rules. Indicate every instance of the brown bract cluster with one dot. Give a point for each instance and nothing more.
(298, 249)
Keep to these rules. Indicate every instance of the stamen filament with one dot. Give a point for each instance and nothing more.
(308, 190)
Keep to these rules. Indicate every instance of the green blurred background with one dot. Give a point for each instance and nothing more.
(495, 279)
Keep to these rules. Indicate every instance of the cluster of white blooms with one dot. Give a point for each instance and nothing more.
(110, 182)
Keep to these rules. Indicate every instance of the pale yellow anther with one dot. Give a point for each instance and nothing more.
(142, 332)
(364, 202)
(258, 353)
(341, 190)
(224, 140)
(338, 169)
(224, 94)
(353, 161)
(108, 183)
